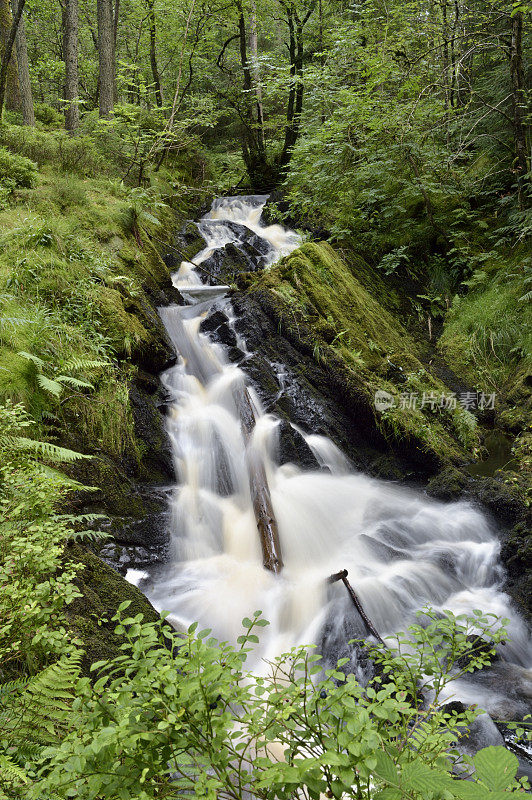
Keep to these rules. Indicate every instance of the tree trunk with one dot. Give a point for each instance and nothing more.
(116, 18)
(71, 65)
(26, 95)
(254, 48)
(153, 53)
(518, 102)
(9, 88)
(106, 57)
(258, 169)
(296, 92)
(9, 85)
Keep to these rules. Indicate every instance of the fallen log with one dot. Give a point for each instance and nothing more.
(370, 627)
(258, 484)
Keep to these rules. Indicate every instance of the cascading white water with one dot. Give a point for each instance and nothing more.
(402, 549)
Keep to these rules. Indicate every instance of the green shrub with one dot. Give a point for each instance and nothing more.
(38, 145)
(18, 170)
(180, 715)
(68, 191)
(47, 115)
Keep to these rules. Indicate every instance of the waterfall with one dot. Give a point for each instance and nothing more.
(402, 549)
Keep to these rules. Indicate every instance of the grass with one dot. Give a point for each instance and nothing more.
(74, 276)
(488, 332)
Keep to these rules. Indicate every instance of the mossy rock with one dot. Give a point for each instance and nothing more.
(319, 301)
(449, 484)
(103, 590)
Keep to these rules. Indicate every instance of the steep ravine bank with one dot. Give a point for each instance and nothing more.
(132, 489)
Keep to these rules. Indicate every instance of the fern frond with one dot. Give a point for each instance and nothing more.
(91, 536)
(526, 298)
(11, 687)
(47, 450)
(76, 363)
(30, 357)
(74, 382)
(11, 772)
(52, 387)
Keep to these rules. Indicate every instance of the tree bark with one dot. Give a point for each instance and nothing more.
(9, 85)
(71, 47)
(106, 57)
(518, 101)
(26, 95)
(153, 53)
(370, 627)
(260, 492)
(296, 92)
(9, 88)
(116, 19)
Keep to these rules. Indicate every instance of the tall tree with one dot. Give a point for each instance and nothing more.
(71, 46)
(106, 52)
(9, 85)
(150, 4)
(296, 23)
(518, 101)
(26, 95)
(254, 49)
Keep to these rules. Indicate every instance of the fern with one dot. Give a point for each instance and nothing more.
(74, 382)
(53, 387)
(47, 450)
(75, 364)
(38, 713)
(10, 772)
(31, 357)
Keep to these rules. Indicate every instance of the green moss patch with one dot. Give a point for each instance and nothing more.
(317, 288)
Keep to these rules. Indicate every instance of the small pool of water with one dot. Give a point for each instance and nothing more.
(499, 455)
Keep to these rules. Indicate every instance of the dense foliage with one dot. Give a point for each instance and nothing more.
(180, 713)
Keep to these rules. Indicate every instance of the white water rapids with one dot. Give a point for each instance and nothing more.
(402, 550)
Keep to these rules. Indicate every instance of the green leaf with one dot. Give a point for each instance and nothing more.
(423, 779)
(386, 768)
(496, 767)
(50, 386)
(389, 794)
(75, 382)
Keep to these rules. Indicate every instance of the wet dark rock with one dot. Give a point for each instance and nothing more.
(213, 321)
(157, 461)
(516, 555)
(294, 449)
(218, 325)
(187, 242)
(449, 484)
(500, 498)
(318, 396)
(235, 355)
(230, 261)
(90, 616)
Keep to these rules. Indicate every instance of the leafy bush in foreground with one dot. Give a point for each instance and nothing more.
(179, 714)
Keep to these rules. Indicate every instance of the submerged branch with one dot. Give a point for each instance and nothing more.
(342, 576)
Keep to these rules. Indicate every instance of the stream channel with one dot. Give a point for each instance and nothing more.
(403, 550)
